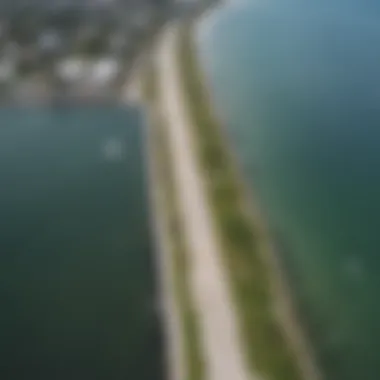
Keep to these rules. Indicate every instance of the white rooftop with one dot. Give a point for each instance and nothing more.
(99, 72)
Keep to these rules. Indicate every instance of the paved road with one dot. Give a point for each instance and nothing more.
(224, 359)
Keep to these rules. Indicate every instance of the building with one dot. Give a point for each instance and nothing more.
(7, 70)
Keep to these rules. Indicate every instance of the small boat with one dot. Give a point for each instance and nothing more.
(113, 149)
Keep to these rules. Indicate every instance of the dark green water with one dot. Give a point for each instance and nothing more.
(77, 290)
(298, 87)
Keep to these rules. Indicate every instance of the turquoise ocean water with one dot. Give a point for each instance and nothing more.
(297, 86)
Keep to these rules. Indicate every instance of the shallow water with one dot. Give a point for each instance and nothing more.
(297, 86)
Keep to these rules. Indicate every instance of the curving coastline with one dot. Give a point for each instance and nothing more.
(284, 305)
(209, 286)
(184, 353)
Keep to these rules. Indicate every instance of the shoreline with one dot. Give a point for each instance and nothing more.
(285, 304)
(284, 301)
(210, 290)
(183, 354)
(168, 311)
(133, 94)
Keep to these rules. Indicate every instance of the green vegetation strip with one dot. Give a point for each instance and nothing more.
(266, 347)
(192, 346)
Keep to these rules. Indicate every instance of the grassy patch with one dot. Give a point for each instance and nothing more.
(192, 346)
(266, 347)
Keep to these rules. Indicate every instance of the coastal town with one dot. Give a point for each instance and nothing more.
(72, 49)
